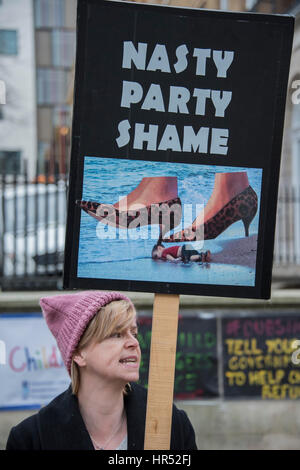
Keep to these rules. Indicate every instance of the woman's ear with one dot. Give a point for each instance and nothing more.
(79, 358)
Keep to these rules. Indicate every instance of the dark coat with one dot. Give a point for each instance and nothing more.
(59, 426)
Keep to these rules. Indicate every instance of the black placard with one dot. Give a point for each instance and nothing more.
(175, 104)
(260, 358)
(196, 369)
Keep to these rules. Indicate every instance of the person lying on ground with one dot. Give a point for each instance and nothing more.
(183, 253)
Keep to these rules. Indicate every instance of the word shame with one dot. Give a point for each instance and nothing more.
(204, 140)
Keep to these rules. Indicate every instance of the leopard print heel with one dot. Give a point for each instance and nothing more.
(241, 207)
(167, 214)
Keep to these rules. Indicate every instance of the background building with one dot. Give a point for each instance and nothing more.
(37, 50)
(37, 56)
(17, 70)
(55, 41)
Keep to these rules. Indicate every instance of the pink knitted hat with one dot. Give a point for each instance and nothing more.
(67, 316)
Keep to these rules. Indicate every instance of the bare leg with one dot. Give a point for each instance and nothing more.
(195, 258)
(151, 190)
(226, 187)
(204, 257)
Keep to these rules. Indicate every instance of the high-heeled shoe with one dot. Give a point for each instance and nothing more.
(241, 207)
(166, 213)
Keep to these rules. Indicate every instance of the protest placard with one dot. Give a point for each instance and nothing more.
(177, 133)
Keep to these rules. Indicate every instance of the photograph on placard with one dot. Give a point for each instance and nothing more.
(168, 222)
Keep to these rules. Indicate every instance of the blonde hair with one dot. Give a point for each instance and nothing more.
(114, 317)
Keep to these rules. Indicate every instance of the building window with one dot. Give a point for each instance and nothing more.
(224, 5)
(250, 4)
(43, 151)
(43, 48)
(62, 116)
(10, 162)
(63, 48)
(49, 13)
(1, 111)
(8, 42)
(52, 86)
(296, 117)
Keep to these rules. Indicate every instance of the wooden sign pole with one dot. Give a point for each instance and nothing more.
(161, 372)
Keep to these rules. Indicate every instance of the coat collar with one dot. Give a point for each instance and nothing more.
(61, 425)
(135, 405)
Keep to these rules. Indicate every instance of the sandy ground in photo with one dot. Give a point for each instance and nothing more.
(239, 251)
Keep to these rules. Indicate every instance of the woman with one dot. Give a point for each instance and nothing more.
(103, 408)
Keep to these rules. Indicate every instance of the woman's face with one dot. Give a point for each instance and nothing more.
(117, 358)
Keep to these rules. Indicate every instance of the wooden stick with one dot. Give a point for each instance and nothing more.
(161, 372)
